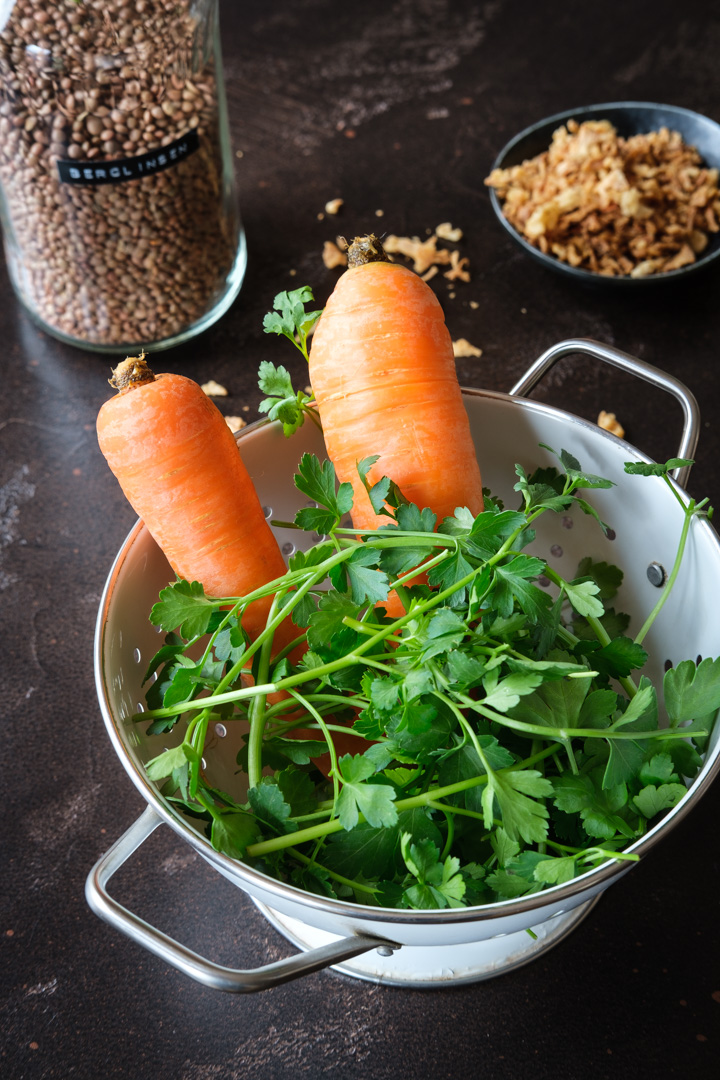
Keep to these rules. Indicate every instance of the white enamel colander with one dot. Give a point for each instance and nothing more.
(421, 948)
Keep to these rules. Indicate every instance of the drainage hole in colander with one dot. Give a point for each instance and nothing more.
(610, 534)
(698, 659)
(556, 551)
(220, 731)
(139, 707)
(544, 581)
(288, 548)
(137, 656)
(567, 522)
(267, 511)
(667, 665)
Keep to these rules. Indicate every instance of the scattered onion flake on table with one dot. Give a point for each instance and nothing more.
(609, 422)
(425, 254)
(619, 207)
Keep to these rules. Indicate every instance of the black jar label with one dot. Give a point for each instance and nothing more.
(132, 168)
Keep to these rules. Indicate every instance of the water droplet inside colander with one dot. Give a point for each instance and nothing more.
(220, 731)
(267, 511)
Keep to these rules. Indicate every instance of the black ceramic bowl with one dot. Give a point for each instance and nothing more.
(629, 118)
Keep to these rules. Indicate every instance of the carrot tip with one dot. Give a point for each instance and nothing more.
(132, 371)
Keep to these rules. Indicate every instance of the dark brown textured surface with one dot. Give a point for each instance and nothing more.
(399, 107)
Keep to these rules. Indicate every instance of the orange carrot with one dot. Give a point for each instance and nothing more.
(383, 372)
(180, 468)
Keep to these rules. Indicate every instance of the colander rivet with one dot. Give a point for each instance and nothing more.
(384, 950)
(656, 574)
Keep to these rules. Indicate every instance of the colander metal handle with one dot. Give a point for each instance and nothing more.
(608, 355)
(190, 963)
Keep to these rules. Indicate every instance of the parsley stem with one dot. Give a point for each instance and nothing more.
(334, 772)
(413, 802)
(689, 514)
(257, 712)
(356, 886)
(219, 697)
(590, 854)
(561, 735)
(276, 617)
(447, 809)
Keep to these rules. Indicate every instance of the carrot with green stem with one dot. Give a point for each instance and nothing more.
(179, 466)
(383, 373)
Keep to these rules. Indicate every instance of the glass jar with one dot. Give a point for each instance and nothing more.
(117, 192)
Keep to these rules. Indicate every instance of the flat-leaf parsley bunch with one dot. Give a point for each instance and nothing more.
(504, 739)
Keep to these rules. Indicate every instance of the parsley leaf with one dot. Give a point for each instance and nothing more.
(176, 758)
(283, 403)
(597, 808)
(373, 801)
(512, 583)
(290, 318)
(652, 800)
(521, 813)
(583, 597)
(183, 605)
(439, 884)
(268, 802)
(555, 871)
(232, 832)
(607, 577)
(318, 481)
(327, 621)
(692, 693)
(365, 583)
(642, 468)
